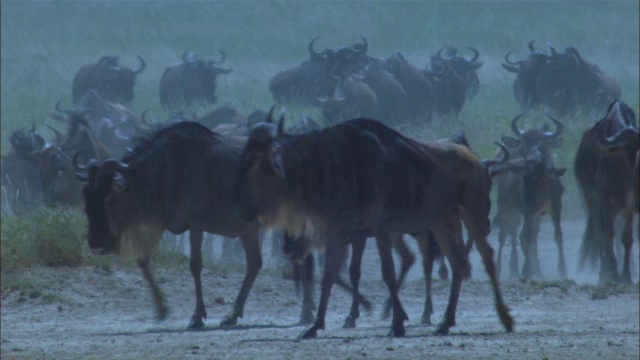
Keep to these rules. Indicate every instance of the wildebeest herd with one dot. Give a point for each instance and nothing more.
(330, 188)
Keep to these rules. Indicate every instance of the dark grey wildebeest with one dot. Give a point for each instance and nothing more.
(530, 188)
(362, 177)
(191, 81)
(113, 82)
(604, 168)
(178, 179)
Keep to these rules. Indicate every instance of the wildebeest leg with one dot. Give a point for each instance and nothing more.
(357, 250)
(195, 264)
(306, 273)
(334, 255)
(627, 242)
(479, 233)
(528, 238)
(556, 207)
(425, 244)
(251, 245)
(448, 234)
(408, 259)
(161, 308)
(507, 220)
(605, 236)
(443, 272)
(383, 240)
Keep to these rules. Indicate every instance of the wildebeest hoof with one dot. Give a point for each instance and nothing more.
(442, 329)
(196, 323)
(426, 320)
(349, 323)
(396, 331)
(443, 273)
(309, 333)
(229, 321)
(163, 312)
(306, 318)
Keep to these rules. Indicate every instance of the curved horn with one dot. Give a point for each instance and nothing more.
(621, 138)
(514, 124)
(143, 118)
(184, 56)
(143, 65)
(559, 127)
(269, 119)
(280, 132)
(506, 59)
(313, 53)
(553, 51)
(111, 165)
(503, 160)
(59, 136)
(475, 57)
(531, 48)
(365, 45)
(58, 109)
(223, 56)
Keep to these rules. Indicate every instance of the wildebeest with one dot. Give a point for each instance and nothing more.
(59, 183)
(191, 81)
(351, 98)
(361, 176)
(21, 185)
(449, 87)
(530, 188)
(313, 78)
(113, 125)
(113, 82)
(178, 179)
(604, 168)
(562, 82)
(417, 87)
(392, 98)
(466, 68)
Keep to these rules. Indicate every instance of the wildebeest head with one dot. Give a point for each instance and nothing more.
(262, 154)
(465, 67)
(532, 139)
(106, 202)
(618, 129)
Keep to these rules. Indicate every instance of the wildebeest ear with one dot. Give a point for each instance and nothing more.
(554, 143)
(510, 142)
(560, 172)
(277, 162)
(119, 182)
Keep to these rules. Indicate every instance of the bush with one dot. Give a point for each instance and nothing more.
(50, 237)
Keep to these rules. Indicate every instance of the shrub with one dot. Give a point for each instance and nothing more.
(50, 237)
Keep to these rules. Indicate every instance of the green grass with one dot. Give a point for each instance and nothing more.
(45, 42)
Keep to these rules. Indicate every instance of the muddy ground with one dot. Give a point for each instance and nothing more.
(100, 312)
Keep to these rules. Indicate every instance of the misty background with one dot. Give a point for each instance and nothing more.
(44, 43)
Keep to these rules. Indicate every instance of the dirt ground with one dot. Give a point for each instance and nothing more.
(101, 313)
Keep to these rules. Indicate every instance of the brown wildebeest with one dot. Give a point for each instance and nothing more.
(59, 183)
(178, 179)
(604, 168)
(113, 125)
(191, 81)
(362, 177)
(113, 82)
(529, 188)
(351, 98)
(466, 68)
(417, 87)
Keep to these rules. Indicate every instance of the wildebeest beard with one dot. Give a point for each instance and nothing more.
(354, 165)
